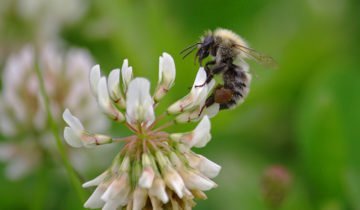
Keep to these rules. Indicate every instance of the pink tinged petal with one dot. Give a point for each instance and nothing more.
(105, 103)
(167, 75)
(92, 140)
(96, 181)
(139, 199)
(139, 103)
(127, 74)
(72, 121)
(190, 116)
(158, 190)
(95, 76)
(114, 87)
(148, 173)
(174, 181)
(195, 181)
(208, 168)
(94, 200)
(72, 138)
(119, 189)
(147, 177)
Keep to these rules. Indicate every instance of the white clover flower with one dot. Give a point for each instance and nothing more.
(155, 169)
(23, 119)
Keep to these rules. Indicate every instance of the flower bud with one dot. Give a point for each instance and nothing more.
(127, 75)
(167, 75)
(114, 88)
(105, 103)
(276, 183)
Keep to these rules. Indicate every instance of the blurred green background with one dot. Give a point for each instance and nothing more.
(305, 115)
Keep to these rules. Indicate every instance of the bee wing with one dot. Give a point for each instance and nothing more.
(261, 58)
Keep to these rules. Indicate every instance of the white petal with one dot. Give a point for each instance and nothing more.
(103, 95)
(167, 75)
(174, 181)
(96, 181)
(111, 205)
(196, 96)
(167, 68)
(212, 110)
(94, 78)
(208, 168)
(199, 137)
(127, 74)
(114, 85)
(140, 197)
(72, 138)
(125, 164)
(195, 181)
(118, 189)
(202, 133)
(72, 121)
(158, 190)
(94, 200)
(200, 78)
(105, 103)
(139, 102)
(147, 177)
(191, 116)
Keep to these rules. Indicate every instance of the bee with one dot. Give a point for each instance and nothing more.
(228, 51)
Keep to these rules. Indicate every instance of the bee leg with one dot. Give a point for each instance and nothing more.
(207, 66)
(215, 70)
(209, 101)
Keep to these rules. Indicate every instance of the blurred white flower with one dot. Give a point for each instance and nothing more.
(155, 169)
(23, 120)
(36, 21)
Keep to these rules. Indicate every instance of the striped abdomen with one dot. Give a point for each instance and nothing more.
(237, 80)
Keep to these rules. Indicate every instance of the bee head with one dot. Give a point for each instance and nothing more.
(204, 49)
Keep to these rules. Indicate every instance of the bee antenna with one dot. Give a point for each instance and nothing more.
(188, 53)
(190, 47)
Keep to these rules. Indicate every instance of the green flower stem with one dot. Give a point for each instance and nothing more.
(55, 130)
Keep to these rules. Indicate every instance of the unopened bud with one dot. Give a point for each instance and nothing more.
(275, 185)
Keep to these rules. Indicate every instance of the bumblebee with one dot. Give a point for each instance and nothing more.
(228, 51)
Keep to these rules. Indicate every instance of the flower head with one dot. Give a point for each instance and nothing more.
(154, 169)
